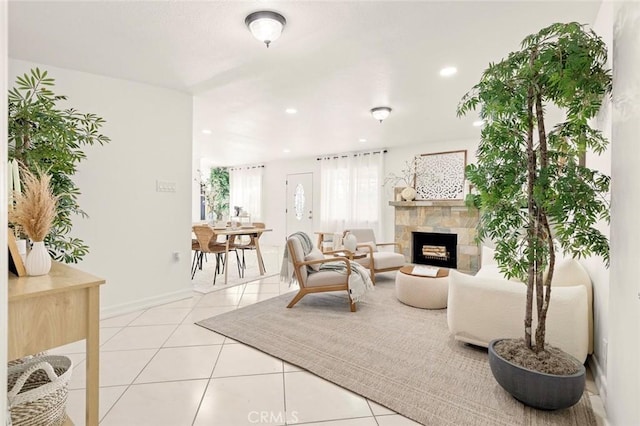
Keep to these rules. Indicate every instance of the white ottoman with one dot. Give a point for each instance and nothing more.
(420, 291)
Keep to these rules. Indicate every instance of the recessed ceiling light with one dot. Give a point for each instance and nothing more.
(448, 71)
(286, 151)
(478, 123)
(206, 131)
(291, 111)
(362, 140)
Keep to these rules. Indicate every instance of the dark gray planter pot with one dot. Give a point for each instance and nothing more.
(535, 389)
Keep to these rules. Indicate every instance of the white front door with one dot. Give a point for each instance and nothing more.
(300, 203)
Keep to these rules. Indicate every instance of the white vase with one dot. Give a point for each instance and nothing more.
(38, 260)
(350, 242)
(408, 193)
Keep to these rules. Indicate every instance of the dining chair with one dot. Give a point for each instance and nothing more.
(250, 245)
(207, 237)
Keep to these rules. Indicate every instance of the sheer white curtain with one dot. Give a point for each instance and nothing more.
(245, 190)
(351, 191)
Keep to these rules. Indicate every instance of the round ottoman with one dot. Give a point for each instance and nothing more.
(421, 291)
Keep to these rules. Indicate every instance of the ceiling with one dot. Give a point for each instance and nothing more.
(334, 61)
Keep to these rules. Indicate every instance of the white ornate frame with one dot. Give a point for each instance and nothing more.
(441, 175)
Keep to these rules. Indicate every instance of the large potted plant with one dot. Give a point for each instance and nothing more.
(44, 136)
(535, 194)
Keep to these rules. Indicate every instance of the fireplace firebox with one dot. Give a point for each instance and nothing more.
(432, 248)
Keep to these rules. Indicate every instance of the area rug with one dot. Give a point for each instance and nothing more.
(398, 356)
(202, 282)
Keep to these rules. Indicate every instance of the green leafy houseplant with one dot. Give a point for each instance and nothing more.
(219, 194)
(531, 186)
(42, 136)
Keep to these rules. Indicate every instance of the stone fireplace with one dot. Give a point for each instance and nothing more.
(438, 217)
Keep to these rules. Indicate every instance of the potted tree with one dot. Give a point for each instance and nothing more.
(535, 194)
(44, 136)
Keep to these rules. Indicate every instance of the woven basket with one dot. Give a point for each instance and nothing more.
(38, 390)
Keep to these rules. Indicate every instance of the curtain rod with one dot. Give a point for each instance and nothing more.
(333, 157)
(259, 166)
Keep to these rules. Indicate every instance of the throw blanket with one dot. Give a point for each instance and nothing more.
(359, 280)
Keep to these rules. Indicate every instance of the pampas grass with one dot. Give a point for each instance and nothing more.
(35, 207)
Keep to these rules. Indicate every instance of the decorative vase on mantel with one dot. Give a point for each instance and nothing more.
(38, 260)
(408, 194)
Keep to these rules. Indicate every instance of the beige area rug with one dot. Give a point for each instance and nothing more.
(395, 355)
(202, 282)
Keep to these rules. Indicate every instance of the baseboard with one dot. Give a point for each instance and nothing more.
(599, 377)
(125, 308)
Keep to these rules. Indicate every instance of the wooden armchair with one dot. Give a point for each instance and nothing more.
(377, 260)
(320, 281)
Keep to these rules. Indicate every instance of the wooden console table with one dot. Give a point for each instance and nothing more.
(55, 309)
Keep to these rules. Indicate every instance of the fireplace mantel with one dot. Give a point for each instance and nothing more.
(441, 216)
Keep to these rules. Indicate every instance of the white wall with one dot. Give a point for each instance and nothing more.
(3, 212)
(133, 230)
(623, 366)
(598, 272)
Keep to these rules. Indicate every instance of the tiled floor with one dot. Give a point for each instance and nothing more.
(158, 368)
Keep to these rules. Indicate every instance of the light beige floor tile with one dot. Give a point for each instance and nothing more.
(246, 400)
(290, 367)
(157, 404)
(116, 368)
(241, 360)
(362, 421)
(193, 335)
(314, 399)
(76, 406)
(142, 337)
(379, 410)
(220, 299)
(260, 288)
(199, 314)
(120, 320)
(78, 347)
(161, 316)
(395, 420)
(189, 302)
(250, 299)
(185, 363)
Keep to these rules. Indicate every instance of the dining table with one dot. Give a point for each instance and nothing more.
(238, 231)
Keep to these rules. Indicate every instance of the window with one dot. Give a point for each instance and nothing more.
(245, 190)
(351, 191)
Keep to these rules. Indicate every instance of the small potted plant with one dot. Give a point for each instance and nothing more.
(534, 191)
(34, 211)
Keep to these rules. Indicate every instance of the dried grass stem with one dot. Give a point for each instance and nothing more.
(35, 208)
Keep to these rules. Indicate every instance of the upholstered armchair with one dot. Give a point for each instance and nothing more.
(320, 280)
(376, 260)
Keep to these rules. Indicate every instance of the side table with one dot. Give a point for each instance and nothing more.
(421, 291)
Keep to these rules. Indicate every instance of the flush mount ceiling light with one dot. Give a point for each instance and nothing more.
(265, 25)
(380, 113)
(448, 71)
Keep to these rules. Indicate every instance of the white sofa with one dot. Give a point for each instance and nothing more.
(487, 306)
